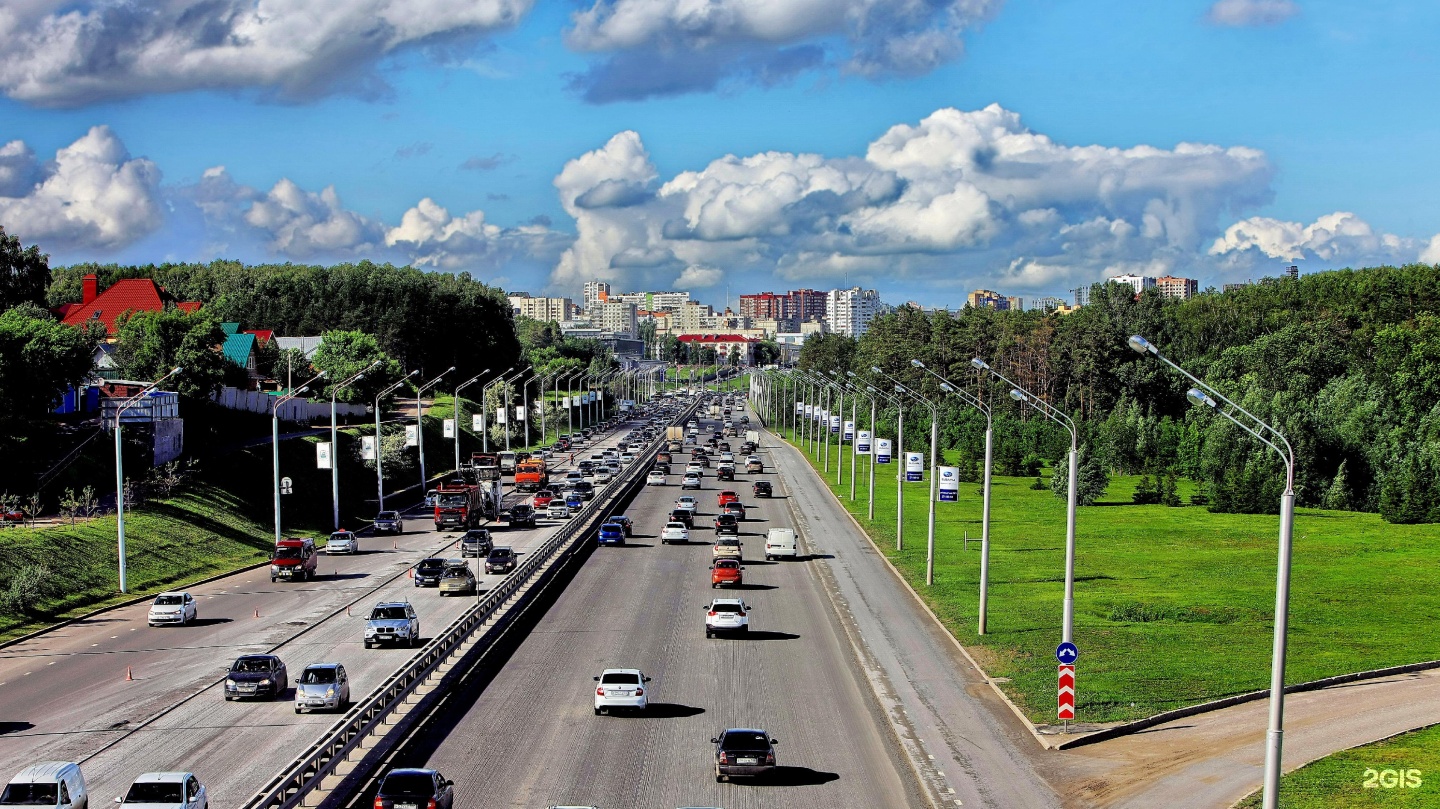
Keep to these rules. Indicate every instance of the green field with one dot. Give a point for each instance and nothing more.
(1173, 606)
(1358, 779)
(188, 537)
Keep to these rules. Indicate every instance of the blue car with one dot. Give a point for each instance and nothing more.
(612, 533)
(574, 500)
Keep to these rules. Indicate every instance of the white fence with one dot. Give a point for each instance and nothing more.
(298, 410)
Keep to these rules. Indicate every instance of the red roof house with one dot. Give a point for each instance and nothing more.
(125, 295)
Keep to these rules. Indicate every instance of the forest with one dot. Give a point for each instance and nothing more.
(1346, 364)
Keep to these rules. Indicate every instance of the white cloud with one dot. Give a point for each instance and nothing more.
(1251, 12)
(1336, 237)
(69, 52)
(300, 223)
(93, 195)
(699, 278)
(1431, 253)
(666, 47)
(432, 237)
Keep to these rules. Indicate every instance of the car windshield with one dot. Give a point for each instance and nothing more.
(457, 573)
(544, 493)
(473, 536)
(318, 676)
(408, 784)
(29, 795)
(341, 536)
(619, 678)
(725, 519)
(431, 565)
(252, 664)
(453, 500)
(388, 614)
(729, 541)
(724, 607)
(388, 515)
(500, 554)
(287, 553)
(169, 601)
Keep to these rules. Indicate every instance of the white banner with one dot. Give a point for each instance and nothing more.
(499, 415)
(862, 442)
(882, 450)
(834, 424)
(799, 407)
(412, 435)
(914, 467)
(367, 448)
(449, 428)
(809, 410)
(949, 484)
(519, 412)
(477, 423)
(849, 434)
(323, 460)
(565, 402)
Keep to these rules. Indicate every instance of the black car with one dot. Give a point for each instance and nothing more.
(428, 571)
(476, 542)
(522, 515)
(414, 787)
(683, 515)
(389, 522)
(500, 560)
(761, 488)
(725, 473)
(727, 524)
(743, 751)
(257, 676)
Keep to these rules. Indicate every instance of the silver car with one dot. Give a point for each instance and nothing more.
(323, 686)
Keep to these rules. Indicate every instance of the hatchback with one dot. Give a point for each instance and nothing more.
(557, 511)
(323, 686)
(171, 790)
(726, 572)
(342, 542)
(542, 499)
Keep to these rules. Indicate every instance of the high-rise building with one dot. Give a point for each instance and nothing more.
(1049, 304)
(849, 311)
(987, 299)
(616, 317)
(807, 304)
(764, 306)
(1182, 288)
(545, 309)
(1139, 283)
(596, 292)
(1233, 287)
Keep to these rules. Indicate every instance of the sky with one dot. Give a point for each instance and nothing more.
(923, 148)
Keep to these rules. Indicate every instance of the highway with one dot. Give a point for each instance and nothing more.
(530, 738)
(65, 694)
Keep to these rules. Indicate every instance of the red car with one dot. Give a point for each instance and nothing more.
(543, 498)
(726, 572)
(728, 496)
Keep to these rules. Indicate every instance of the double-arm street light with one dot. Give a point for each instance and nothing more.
(1208, 396)
(275, 441)
(507, 412)
(462, 386)
(420, 425)
(335, 438)
(970, 399)
(484, 407)
(1019, 394)
(934, 469)
(379, 471)
(899, 453)
(120, 473)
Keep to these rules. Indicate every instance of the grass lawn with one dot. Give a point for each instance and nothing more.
(196, 534)
(1339, 781)
(1173, 606)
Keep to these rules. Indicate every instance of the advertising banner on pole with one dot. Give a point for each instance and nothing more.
(882, 450)
(914, 467)
(809, 409)
(499, 415)
(565, 401)
(323, 460)
(849, 434)
(949, 484)
(862, 442)
(835, 424)
(799, 408)
(449, 426)
(367, 448)
(519, 412)
(477, 423)
(412, 435)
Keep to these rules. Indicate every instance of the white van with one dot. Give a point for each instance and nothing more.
(50, 783)
(780, 542)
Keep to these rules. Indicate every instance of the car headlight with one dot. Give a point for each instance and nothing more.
(265, 681)
(330, 692)
(229, 683)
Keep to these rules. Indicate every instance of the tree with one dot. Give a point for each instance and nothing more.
(24, 274)
(69, 505)
(343, 354)
(734, 359)
(149, 344)
(1091, 479)
(828, 352)
(39, 359)
(767, 352)
(27, 588)
(33, 505)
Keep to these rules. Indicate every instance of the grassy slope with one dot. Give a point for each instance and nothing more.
(191, 536)
(1173, 606)
(1338, 781)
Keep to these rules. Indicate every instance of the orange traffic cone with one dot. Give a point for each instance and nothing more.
(257, 612)
(129, 676)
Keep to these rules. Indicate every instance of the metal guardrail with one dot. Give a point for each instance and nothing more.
(305, 772)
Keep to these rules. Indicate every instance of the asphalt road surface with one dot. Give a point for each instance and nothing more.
(65, 695)
(531, 737)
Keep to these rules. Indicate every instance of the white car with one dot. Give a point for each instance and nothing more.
(690, 481)
(725, 615)
(727, 457)
(626, 459)
(674, 532)
(343, 542)
(173, 608)
(698, 469)
(621, 688)
(601, 474)
(557, 510)
(572, 478)
(655, 478)
(688, 503)
(165, 790)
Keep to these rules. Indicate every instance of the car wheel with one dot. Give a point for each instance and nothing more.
(368, 644)
(297, 710)
(597, 711)
(272, 579)
(709, 634)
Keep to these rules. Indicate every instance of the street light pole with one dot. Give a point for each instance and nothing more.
(934, 472)
(484, 409)
(420, 426)
(379, 470)
(1021, 395)
(1208, 396)
(335, 441)
(898, 459)
(120, 476)
(462, 386)
(275, 442)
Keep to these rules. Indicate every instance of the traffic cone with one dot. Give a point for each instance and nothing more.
(257, 612)
(347, 609)
(129, 676)
(394, 545)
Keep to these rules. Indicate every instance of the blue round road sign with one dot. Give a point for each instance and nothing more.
(1066, 653)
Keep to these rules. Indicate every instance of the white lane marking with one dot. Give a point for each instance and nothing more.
(113, 637)
(51, 663)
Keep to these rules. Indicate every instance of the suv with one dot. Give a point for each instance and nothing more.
(761, 488)
(393, 622)
(476, 542)
(683, 515)
(725, 473)
(428, 571)
(726, 524)
(500, 560)
(522, 514)
(726, 615)
(743, 751)
(389, 522)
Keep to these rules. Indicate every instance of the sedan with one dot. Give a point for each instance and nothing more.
(621, 688)
(173, 608)
(655, 478)
(688, 503)
(415, 788)
(690, 481)
(323, 686)
(256, 675)
(428, 571)
(170, 790)
(674, 533)
(458, 579)
(727, 524)
(500, 560)
(743, 751)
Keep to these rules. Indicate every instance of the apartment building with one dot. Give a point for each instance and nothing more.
(849, 311)
(1182, 288)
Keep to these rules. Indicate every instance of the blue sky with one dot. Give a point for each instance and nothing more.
(1027, 146)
